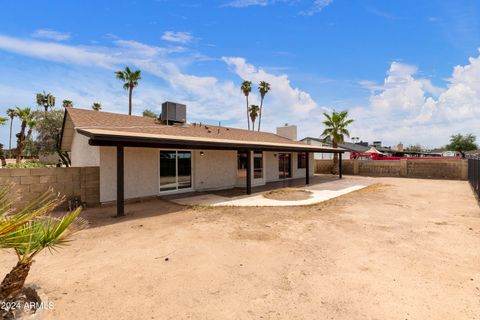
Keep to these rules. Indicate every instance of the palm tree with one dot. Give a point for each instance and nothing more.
(130, 81)
(336, 124)
(246, 89)
(67, 103)
(24, 115)
(263, 88)
(45, 100)
(11, 113)
(97, 106)
(253, 112)
(29, 231)
(31, 123)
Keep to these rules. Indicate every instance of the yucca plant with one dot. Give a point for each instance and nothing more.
(30, 231)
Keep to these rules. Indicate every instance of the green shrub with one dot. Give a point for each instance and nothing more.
(26, 165)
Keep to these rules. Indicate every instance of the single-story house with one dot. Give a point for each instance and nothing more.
(142, 157)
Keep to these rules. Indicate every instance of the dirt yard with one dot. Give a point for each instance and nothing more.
(400, 249)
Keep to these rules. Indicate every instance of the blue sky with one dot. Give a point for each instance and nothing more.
(406, 70)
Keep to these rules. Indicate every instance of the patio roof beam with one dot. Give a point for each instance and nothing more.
(120, 182)
(307, 168)
(249, 172)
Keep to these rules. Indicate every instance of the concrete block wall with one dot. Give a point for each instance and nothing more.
(83, 182)
(430, 169)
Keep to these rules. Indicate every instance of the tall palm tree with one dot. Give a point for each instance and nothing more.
(11, 113)
(25, 115)
(336, 130)
(263, 88)
(130, 80)
(253, 112)
(67, 103)
(97, 106)
(246, 89)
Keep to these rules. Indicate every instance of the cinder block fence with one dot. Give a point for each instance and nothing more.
(453, 169)
(70, 182)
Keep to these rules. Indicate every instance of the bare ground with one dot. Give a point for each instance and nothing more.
(401, 249)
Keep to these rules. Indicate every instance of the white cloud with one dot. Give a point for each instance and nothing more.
(247, 3)
(316, 7)
(51, 35)
(178, 37)
(410, 109)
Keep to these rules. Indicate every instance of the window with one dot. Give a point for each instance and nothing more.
(302, 160)
(258, 165)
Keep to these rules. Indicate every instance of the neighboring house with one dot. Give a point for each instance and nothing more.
(159, 159)
(347, 146)
(472, 154)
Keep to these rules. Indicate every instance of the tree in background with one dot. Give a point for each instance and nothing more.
(246, 89)
(45, 100)
(149, 113)
(462, 143)
(3, 161)
(263, 88)
(336, 131)
(3, 121)
(414, 148)
(67, 103)
(130, 80)
(253, 113)
(96, 106)
(25, 115)
(11, 113)
(49, 127)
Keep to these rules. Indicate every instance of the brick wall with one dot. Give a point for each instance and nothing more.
(434, 169)
(79, 182)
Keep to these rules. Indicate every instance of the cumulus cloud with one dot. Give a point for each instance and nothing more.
(178, 37)
(51, 35)
(411, 109)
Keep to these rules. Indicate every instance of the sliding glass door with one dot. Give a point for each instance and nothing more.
(175, 170)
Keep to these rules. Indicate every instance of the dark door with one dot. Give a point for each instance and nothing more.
(284, 165)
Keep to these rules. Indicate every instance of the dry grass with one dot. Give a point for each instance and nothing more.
(288, 194)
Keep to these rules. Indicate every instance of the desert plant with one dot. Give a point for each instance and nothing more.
(130, 80)
(263, 88)
(246, 89)
(30, 231)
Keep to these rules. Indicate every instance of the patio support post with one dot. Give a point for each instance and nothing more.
(120, 182)
(340, 165)
(249, 172)
(307, 168)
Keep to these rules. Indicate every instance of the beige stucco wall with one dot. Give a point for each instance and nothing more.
(216, 169)
(141, 173)
(82, 154)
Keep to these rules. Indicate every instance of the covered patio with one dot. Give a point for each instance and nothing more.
(122, 140)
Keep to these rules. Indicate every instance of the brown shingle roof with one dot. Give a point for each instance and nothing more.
(90, 122)
(90, 119)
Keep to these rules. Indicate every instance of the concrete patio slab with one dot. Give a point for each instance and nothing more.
(320, 192)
